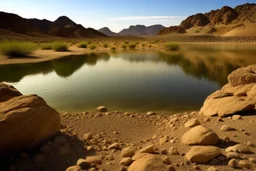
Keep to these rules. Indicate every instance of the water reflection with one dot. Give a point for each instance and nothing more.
(134, 81)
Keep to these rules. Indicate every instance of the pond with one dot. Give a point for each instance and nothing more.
(130, 81)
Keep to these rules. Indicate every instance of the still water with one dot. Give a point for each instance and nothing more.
(130, 81)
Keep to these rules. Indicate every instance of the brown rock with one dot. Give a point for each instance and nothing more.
(27, 121)
(200, 135)
(83, 164)
(7, 92)
(126, 161)
(128, 152)
(148, 163)
(202, 154)
(233, 163)
(226, 106)
(245, 75)
(93, 160)
(148, 149)
(192, 123)
(244, 164)
(102, 109)
(239, 148)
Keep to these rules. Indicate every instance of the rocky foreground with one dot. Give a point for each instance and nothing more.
(221, 136)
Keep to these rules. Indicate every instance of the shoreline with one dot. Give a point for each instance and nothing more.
(47, 55)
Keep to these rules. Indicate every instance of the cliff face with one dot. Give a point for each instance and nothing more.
(226, 15)
(63, 26)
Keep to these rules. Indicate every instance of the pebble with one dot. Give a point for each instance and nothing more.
(171, 168)
(233, 155)
(212, 168)
(163, 140)
(114, 146)
(244, 164)
(128, 152)
(166, 160)
(87, 136)
(102, 109)
(174, 151)
(226, 128)
(192, 123)
(126, 161)
(236, 117)
(83, 164)
(151, 113)
(233, 163)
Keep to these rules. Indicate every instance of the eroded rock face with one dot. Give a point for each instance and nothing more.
(239, 95)
(148, 162)
(195, 20)
(25, 121)
(200, 135)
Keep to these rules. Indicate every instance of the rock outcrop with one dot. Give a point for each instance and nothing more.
(195, 20)
(239, 95)
(172, 29)
(25, 121)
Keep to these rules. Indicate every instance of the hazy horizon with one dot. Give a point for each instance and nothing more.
(115, 15)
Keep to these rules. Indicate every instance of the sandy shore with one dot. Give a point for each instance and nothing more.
(92, 133)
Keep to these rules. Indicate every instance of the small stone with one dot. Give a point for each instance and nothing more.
(123, 168)
(222, 158)
(233, 155)
(239, 148)
(163, 140)
(207, 120)
(151, 113)
(196, 167)
(87, 136)
(94, 160)
(192, 123)
(219, 119)
(212, 168)
(244, 164)
(233, 163)
(39, 158)
(148, 149)
(236, 117)
(174, 151)
(128, 152)
(102, 109)
(83, 164)
(226, 128)
(166, 160)
(126, 161)
(114, 146)
(249, 143)
(171, 168)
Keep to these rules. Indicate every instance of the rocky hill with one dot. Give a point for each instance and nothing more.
(63, 26)
(141, 30)
(107, 31)
(245, 13)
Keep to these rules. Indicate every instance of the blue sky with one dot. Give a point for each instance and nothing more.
(115, 14)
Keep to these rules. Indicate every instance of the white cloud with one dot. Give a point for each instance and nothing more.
(134, 18)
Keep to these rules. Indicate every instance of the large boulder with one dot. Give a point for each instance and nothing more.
(202, 154)
(7, 92)
(200, 135)
(245, 75)
(226, 106)
(25, 122)
(148, 162)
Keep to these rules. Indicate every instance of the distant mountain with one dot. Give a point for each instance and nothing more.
(107, 31)
(245, 13)
(63, 26)
(141, 30)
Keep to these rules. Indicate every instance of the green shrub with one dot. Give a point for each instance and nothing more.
(132, 46)
(113, 48)
(143, 45)
(172, 46)
(83, 45)
(126, 42)
(60, 46)
(46, 46)
(17, 49)
(124, 46)
(92, 46)
(105, 45)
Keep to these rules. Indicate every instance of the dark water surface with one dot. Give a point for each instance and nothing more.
(131, 81)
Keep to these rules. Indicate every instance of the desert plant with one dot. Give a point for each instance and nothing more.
(92, 46)
(105, 45)
(124, 46)
(143, 45)
(46, 46)
(113, 48)
(132, 46)
(83, 45)
(17, 49)
(172, 46)
(126, 42)
(60, 46)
